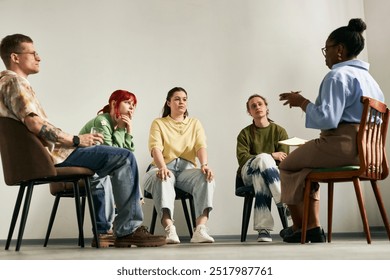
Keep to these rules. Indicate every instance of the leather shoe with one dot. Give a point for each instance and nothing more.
(286, 231)
(314, 235)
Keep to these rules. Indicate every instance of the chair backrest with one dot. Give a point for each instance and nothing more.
(23, 155)
(372, 139)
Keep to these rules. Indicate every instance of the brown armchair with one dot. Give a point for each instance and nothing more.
(26, 163)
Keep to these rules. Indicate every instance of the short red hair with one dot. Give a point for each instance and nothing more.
(119, 96)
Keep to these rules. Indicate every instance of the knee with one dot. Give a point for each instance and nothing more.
(130, 155)
(262, 159)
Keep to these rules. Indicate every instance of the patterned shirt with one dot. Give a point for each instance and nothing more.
(18, 100)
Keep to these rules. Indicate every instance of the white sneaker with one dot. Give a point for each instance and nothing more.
(200, 235)
(171, 235)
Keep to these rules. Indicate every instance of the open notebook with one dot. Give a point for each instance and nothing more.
(294, 141)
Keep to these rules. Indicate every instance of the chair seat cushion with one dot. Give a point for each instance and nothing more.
(338, 169)
(65, 187)
(241, 189)
(74, 171)
(245, 191)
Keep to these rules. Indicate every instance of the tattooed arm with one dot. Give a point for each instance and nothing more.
(50, 133)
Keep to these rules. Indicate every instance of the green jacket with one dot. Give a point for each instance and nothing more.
(112, 137)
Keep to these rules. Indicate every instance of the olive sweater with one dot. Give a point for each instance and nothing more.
(254, 140)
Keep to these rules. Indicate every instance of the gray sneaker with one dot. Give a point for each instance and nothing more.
(264, 236)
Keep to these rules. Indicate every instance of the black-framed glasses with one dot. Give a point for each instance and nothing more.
(325, 49)
(35, 54)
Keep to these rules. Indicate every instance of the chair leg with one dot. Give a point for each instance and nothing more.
(187, 216)
(330, 210)
(91, 210)
(153, 222)
(76, 192)
(381, 206)
(15, 215)
(192, 209)
(52, 217)
(82, 216)
(305, 218)
(362, 209)
(246, 214)
(23, 220)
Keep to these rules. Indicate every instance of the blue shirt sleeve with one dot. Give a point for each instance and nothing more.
(327, 111)
(339, 95)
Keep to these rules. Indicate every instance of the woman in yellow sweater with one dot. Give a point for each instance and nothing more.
(175, 141)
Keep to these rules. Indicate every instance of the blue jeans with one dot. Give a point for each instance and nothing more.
(121, 165)
(104, 203)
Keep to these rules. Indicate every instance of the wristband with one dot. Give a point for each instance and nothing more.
(305, 102)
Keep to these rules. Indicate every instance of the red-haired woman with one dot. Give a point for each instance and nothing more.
(115, 122)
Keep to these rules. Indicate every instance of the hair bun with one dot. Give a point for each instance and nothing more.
(357, 25)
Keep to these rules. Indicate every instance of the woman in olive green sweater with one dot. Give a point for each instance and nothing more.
(258, 152)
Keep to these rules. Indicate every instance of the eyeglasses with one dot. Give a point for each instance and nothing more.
(325, 49)
(35, 54)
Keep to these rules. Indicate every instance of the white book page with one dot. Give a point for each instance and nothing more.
(294, 141)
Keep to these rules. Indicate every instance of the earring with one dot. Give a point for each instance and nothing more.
(339, 56)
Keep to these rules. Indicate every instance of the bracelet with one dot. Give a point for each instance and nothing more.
(203, 164)
(305, 102)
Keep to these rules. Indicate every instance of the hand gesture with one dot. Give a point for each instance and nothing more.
(294, 99)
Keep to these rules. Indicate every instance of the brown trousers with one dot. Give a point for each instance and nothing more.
(334, 148)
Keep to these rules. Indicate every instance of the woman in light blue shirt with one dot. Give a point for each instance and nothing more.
(336, 112)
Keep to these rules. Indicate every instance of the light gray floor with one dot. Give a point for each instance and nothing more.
(343, 247)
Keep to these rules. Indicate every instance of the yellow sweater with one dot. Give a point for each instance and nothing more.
(177, 139)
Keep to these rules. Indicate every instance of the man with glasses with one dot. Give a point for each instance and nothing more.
(18, 101)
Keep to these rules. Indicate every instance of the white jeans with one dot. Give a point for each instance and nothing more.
(185, 177)
(262, 173)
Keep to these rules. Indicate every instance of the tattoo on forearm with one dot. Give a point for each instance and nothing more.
(50, 134)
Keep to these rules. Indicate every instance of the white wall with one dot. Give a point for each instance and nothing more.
(221, 51)
(378, 41)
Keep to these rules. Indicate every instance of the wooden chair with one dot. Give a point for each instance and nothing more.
(180, 195)
(26, 163)
(373, 166)
(248, 193)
